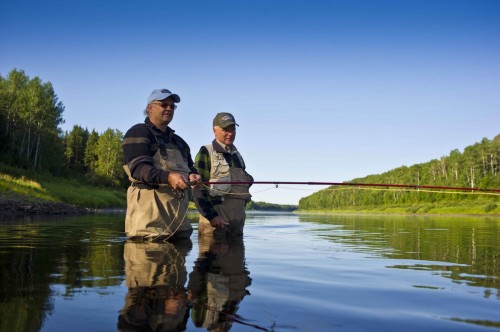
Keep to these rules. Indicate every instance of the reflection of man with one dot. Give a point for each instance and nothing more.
(155, 277)
(218, 282)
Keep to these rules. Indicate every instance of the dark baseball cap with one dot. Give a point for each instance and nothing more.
(224, 120)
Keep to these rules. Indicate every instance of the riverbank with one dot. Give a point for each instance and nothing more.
(13, 206)
(42, 207)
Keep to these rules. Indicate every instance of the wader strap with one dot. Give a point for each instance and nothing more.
(160, 145)
(181, 148)
(240, 158)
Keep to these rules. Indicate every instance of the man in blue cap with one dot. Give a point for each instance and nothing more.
(158, 163)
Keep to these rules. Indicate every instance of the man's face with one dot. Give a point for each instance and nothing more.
(225, 135)
(161, 112)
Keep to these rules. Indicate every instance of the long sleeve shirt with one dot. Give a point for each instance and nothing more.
(139, 147)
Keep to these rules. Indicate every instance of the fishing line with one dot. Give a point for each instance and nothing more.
(176, 215)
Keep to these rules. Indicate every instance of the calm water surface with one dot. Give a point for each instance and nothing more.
(288, 273)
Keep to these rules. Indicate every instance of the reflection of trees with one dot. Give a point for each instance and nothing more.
(218, 282)
(471, 242)
(35, 253)
(24, 289)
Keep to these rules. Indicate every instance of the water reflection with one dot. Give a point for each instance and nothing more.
(155, 277)
(465, 251)
(314, 272)
(218, 283)
(45, 257)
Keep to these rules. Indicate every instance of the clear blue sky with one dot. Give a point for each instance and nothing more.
(323, 90)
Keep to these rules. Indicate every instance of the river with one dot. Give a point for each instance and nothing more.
(290, 272)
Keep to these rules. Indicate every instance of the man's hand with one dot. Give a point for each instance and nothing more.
(218, 222)
(177, 181)
(194, 179)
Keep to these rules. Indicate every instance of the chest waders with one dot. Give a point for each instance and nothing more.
(233, 196)
(155, 212)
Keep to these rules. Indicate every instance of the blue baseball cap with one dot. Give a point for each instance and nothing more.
(160, 94)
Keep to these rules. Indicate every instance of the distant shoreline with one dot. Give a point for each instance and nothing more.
(21, 206)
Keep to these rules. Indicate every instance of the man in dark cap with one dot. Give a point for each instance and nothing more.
(158, 163)
(222, 205)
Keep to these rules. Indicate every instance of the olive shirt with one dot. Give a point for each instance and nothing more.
(139, 147)
(204, 202)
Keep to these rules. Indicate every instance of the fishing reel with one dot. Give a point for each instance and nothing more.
(179, 194)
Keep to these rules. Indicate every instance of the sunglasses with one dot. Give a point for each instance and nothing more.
(166, 105)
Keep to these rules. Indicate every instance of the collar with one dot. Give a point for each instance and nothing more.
(168, 131)
(223, 148)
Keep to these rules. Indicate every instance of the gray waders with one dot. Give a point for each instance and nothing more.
(232, 208)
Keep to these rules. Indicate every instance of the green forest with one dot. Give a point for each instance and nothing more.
(30, 118)
(476, 167)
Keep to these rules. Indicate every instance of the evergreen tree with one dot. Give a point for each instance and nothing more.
(76, 142)
(90, 158)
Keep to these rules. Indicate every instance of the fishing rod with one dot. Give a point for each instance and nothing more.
(351, 184)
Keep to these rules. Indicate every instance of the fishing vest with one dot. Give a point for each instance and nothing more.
(220, 171)
(170, 156)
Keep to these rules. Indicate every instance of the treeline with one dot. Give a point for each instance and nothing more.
(31, 138)
(263, 206)
(477, 167)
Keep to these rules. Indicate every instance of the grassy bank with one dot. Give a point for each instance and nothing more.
(58, 190)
